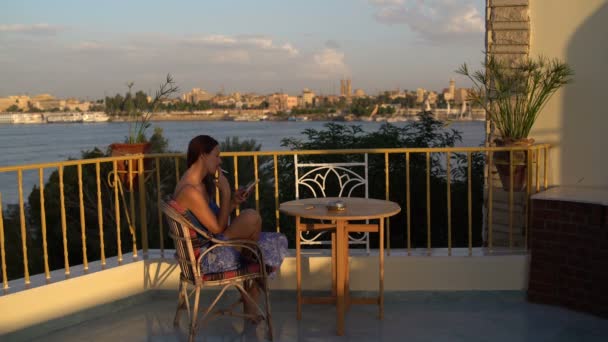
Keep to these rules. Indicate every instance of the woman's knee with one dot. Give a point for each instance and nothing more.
(252, 218)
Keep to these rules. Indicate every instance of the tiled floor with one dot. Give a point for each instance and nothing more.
(409, 316)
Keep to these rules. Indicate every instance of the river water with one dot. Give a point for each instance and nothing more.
(28, 144)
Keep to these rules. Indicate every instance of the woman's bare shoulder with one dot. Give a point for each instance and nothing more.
(188, 193)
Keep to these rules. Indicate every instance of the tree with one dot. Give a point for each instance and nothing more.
(13, 108)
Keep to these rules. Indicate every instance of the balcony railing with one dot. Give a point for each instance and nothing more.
(86, 207)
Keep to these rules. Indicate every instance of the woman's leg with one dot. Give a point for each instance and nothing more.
(247, 225)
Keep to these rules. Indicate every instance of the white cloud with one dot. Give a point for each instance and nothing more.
(326, 64)
(35, 29)
(456, 21)
(241, 42)
(292, 51)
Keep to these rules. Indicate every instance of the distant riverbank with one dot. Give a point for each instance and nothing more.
(231, 115)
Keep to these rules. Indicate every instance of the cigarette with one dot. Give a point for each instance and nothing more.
(223, 171)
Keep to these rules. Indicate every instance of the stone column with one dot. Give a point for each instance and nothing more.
(508, 40)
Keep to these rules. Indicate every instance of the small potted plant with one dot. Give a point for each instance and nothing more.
(513, 96)
(137, 142)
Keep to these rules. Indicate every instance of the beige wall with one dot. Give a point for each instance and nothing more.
(576, 118)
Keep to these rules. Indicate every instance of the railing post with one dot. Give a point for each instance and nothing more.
(47, 272)
(102, 247)
(276, 189)
(158, 202)
(2, 250)
(142, 206)
(64, 224)
(85, 261)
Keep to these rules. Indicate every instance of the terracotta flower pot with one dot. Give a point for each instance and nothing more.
(504, 164)
(121, 149)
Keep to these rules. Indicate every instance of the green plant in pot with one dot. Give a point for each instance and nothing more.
(139, 122)
(513, 95)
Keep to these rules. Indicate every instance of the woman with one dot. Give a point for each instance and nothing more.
(195, 193)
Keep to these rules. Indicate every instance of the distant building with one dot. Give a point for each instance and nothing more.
(457, 95)
(20, 101)
(448, 93)
(420, 92)
(47, 102)
(196, 95)
(345, 88)
(252, 100)
(75, 104)
(359, 92)
(292, 101)
(308, 98)
(277, 102)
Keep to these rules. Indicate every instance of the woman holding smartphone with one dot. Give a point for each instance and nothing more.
(194, 196)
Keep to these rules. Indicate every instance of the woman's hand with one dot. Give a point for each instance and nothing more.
(238, 197)
(223, 185)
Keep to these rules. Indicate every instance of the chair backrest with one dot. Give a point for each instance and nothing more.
(186, 239)
(340, 179)
(337, 179)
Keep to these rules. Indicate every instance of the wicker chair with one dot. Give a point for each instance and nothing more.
(190, 252)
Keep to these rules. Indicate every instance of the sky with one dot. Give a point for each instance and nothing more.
(91, 49)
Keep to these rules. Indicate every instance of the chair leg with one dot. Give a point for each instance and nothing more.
(268, 315)
(193, 317)
(298, 271)
(180, 303)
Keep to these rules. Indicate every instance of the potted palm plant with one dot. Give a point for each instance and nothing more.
(513, 96)
(137, 141)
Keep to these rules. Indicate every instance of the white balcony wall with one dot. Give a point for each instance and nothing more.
(576, 119)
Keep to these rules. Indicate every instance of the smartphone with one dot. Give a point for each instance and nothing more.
(250, 186)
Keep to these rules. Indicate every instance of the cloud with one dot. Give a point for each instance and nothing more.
(33, 29)
(240, 42)
(326, 64)
(435, 21)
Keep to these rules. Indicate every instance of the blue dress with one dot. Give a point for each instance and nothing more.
(222, 259)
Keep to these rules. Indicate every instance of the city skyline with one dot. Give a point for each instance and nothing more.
(89, 51)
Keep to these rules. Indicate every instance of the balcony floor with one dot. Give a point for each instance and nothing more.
(409, 316)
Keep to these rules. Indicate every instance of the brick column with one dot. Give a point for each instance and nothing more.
(508, 40)
(569, 255)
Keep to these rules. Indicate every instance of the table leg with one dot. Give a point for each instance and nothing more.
(381, 257)
(333, 264)
(346, 272)
(298, 271)
(340, 276)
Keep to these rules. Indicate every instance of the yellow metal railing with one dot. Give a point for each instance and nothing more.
(124, 199)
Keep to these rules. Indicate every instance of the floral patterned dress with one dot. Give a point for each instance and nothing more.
(222, 259)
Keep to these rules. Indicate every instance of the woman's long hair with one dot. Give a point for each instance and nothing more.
(202, 144)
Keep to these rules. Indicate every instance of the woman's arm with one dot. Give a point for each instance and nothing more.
(225, 201)
(228, 200)
(192, 199)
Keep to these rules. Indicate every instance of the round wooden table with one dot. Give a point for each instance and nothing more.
(356, 209)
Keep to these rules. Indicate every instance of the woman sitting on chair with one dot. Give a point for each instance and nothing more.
(195, 194)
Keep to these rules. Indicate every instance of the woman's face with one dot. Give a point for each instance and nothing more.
(212, 160)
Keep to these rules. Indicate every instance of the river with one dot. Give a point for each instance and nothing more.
(37, 143)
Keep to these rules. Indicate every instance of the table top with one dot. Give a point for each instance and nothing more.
(356, 208)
